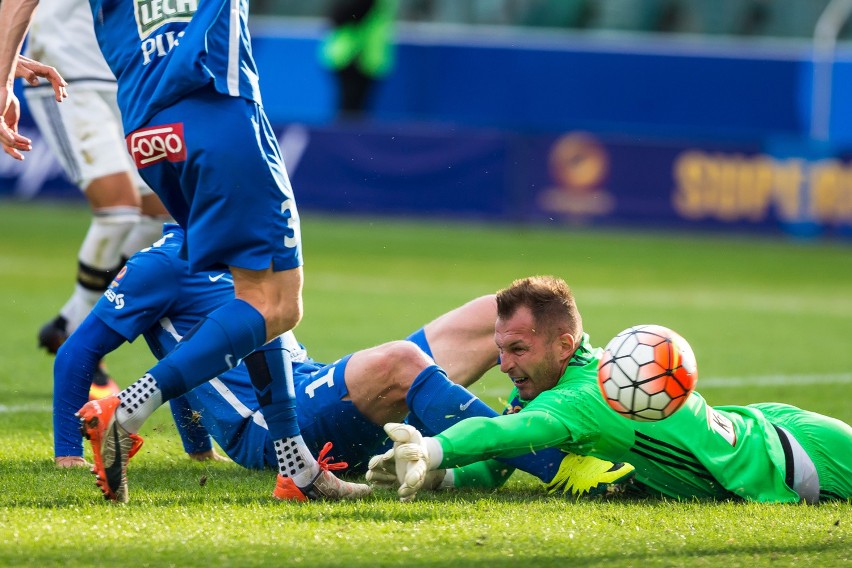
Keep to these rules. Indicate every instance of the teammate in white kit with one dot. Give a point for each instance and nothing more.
(86, 136)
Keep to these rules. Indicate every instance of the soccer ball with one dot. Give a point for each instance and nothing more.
(647, 372)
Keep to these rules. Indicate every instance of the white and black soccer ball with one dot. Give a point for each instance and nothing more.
(647, 372)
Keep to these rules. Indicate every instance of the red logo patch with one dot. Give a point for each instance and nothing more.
(157, 143)
(118, 276)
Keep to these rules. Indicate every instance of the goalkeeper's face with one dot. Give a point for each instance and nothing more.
(533, 358)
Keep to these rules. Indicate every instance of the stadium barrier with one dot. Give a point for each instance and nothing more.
(569, 178)
(554, 132)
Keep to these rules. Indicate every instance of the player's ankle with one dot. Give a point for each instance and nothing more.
(306, 476)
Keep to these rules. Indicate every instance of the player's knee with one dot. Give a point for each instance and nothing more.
(404, 361)
(284, 318)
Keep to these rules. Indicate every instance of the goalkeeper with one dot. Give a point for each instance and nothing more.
(345, 402)
(761, 452)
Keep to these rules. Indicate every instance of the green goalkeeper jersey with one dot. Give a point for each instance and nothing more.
(699, 451)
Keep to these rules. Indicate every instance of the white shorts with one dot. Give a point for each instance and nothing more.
(84, 132)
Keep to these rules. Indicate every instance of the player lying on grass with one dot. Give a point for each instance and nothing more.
(346, 402)
(761, 452)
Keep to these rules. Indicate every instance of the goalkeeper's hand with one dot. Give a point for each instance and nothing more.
(411, 459)
(382, 472)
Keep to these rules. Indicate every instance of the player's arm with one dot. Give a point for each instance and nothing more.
(30, 70)
(15, 17)
(508, 436)
(469, 441)
(492, 474)
(111, 323)
(488, 474)
(75, 365)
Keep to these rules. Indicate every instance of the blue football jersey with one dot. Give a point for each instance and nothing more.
(163, 300)
(160, 50)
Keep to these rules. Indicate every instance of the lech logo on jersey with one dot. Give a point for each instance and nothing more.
(151, 14)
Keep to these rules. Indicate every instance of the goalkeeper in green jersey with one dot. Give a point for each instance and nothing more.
(761, 452)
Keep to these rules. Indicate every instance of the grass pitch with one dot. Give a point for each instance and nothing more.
(769, 320)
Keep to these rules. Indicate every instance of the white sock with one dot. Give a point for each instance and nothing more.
(100, 252)
(145, 233)
(295, 460)
(78, 306)
(138, 402)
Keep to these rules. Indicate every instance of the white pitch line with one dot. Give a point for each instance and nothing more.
(32, 407)
(776, 380)
(712, 382)
(788, 304)
(733, 382)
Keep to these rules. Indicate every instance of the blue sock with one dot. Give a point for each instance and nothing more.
(436, 403)
(212, 347)
(271, 373)
(543, 464)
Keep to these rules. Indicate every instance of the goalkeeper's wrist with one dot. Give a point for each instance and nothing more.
(434, 453)
(448, 481)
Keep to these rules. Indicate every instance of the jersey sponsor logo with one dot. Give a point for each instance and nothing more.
(217, 277)
(152, 14)
(118, 277)
(117, 299)
(159, 45)
(466, 405)
(157, 143)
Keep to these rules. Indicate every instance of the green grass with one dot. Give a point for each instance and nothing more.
(769, 320)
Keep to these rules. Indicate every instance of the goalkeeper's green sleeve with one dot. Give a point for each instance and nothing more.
(489, 474)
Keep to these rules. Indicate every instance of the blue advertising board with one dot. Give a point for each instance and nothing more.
(573, 177)
(544, 129)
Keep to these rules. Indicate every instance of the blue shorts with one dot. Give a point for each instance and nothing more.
(232, 417)
(229, 411)
(324, 415)
(215, 163)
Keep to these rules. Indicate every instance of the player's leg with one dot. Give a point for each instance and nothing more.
(149, 229)
(115, 212)
(244, 218)
(88, 143)
(393, 379)
(462, 341)
(827, 442)
(301, 477)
